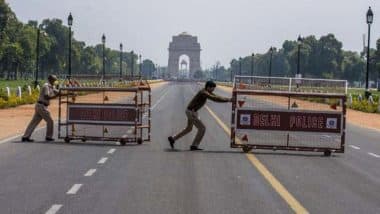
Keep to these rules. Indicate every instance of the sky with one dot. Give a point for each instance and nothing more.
(225, 29)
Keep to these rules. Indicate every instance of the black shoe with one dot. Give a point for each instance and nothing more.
(49, 139)
(26, 139)
(171, 141)
(195, 148)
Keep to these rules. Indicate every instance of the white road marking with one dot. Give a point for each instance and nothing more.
(20, 135)
(90, 172)
(74, 189)
(354, 147)
(374, 155)
(54, 209)
(111, 151)
(159, 100)
(102, 160)
(10, 139)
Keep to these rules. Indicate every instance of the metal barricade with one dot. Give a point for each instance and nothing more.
(288, 114)
(112, 112)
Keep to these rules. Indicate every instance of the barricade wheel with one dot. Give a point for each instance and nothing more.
(139, 141)
(123, 142)
(67, 140)
(327, 153)
(84, 140)
(247, 149)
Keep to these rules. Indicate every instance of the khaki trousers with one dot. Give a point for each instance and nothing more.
(192, 119)
(41, 112)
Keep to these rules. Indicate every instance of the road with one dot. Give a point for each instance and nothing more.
(91, 177)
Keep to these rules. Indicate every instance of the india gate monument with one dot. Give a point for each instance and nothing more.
(184, 44)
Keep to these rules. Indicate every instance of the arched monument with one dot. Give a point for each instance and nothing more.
(184, 44)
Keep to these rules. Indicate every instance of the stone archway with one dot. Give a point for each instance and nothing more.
(184, 44)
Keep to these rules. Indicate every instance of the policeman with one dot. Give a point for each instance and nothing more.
(47, 93)
(192, 115)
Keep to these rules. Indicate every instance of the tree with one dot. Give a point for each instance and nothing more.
(198, 75)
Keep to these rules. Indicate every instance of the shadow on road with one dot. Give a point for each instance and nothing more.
(203, 151)
(61, 143)
(258, 154)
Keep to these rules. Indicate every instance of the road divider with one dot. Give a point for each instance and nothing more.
(74, 189)
(111, 151)
(374, 155)
(54, 209)
(90, 172)
(102, 160)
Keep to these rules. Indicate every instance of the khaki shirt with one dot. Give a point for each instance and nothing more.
(49, 91)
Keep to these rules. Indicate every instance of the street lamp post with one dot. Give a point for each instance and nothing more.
(70, 23)
(104, 56)
(37, 57)
(231, 73)
(121, 60)
(156, 71)
(252, 64)
(369, 17)
(270, 63)
(140, 68)
(299, 42)
(240, 65)
(132, 62)
(216, 72)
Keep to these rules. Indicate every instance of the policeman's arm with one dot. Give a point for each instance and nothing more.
(217, 98)
(55, 94)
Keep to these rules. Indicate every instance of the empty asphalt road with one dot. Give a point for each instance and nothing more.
(97, 177)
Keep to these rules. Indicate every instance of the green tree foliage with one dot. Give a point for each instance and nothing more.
(18, 50)
(148, 68)
(319, 58)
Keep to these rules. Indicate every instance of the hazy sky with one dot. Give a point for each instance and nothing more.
(225, 29)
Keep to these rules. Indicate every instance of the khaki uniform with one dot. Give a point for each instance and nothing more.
(192, 115)
(41, 112)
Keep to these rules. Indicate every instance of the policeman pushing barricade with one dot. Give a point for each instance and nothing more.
(47, 93)
(192, 116)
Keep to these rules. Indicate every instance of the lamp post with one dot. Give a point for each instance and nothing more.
(37, 57)
(216, 71)
(70, 23)
(156, 73)
(231, 73)
(299, 42)
(252, 64)
(369, 17)
(140, 68)
(270, 63)
(38, 54)
(121, 60)
(132, 62)
(240, 65)
(104, 56)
